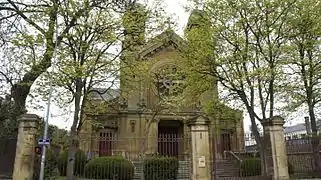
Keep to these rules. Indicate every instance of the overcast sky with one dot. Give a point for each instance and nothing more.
(63, 119)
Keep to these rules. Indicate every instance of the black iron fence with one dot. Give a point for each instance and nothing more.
(168, 156)
(107, 156)
(234, 158)
(303, 153)
(7, 156)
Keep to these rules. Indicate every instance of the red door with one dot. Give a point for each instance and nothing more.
(106, 144)
(168, 141)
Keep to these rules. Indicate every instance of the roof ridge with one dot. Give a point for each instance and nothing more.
(160, 41)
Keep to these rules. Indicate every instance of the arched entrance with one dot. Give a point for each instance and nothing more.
(170, 136)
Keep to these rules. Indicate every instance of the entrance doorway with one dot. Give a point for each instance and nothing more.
(169, 137)
(226, 142)
(106, 143)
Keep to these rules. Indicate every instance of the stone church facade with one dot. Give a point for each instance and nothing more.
(130, 126)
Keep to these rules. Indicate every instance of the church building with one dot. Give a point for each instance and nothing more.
(133, 125)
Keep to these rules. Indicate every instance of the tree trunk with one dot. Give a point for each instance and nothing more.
(260, 145)
(73, 145)
(71, 158)
(315, 140)
(262, 156)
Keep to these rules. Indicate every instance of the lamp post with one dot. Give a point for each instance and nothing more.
(43, 157)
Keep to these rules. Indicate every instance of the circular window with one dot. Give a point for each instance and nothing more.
(169, 80)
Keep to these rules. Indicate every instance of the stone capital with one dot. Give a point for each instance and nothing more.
(274, 121)
(29, 121)
(29, 118)
(198, 120)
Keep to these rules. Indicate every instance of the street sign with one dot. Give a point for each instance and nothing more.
(44, 141)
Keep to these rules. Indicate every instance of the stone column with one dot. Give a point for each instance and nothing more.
(200, 148)
(186, 142)
(275, 152)
(240, 134)
(25, 154)
(152, 139)
(85, 135)
(123, 144)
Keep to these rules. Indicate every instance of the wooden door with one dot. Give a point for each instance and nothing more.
(106, 144)
(226, 142)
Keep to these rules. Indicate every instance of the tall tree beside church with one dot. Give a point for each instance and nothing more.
(244, 53)
(86, 59)
(28, 40)
(304, 65)
(89, 58)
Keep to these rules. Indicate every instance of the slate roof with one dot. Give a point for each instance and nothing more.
(295, 128)
(299, 127)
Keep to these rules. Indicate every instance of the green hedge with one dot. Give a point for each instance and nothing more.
(51, 170)
(160, 168)
(80, 162)
(252, 167)
(111, 167)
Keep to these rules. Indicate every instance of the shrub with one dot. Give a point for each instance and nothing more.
(109, 167)
(80, 162)
(160, 168)
(252, 167)
(51, 170)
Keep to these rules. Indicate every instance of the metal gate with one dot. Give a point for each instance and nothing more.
(7, 156)
(231, 164)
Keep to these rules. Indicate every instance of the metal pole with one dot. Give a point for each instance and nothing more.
(43, 156)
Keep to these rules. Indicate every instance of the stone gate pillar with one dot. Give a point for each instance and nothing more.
(152, 136)
(275, 152)
(200, 148)
(25, 154)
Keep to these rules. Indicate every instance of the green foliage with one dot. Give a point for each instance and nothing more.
(112, 167)
(51, 168)
(57, 135)
(252, 167)
(8, 118)
(80, 162)
(160, 168)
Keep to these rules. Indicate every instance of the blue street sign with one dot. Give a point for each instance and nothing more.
(44, 141)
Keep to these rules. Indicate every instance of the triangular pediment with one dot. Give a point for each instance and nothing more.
(162, 41)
